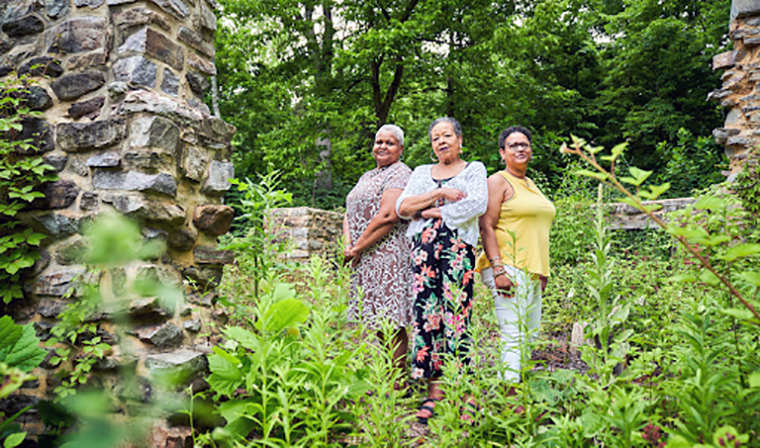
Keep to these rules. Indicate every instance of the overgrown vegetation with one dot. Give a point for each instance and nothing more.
(669, 363)
(666, 363)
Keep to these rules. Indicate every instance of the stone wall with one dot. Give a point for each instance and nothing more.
(318, 232)
(625, 217)
(120, 83)
(739, 94)
(311, 231)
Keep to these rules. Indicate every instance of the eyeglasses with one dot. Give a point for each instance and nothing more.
(516, 146)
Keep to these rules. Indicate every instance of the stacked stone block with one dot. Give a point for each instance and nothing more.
(311, 231)
(739, 94)
(121, 83)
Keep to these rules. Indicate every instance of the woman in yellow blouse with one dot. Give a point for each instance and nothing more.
(515, 236)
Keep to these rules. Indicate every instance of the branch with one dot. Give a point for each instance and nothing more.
(613, 182)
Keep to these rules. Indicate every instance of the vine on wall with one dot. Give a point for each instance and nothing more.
(22, 170)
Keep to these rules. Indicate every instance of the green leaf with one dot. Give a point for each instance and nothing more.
(683, 278)
(740, 251)
(739, 313)
(286, 313)
(19, 346)
(35, 238)
(246, 338)
(696, 235)
(710, 203)
(10, 333)
(632, 203)
(283, 291)
(658, 190)
(754, 380)
(225, 374)
(751, 277)
(14, 440)
(651, 207)
(622, 337)
(594, 174)
(235, 409)
(619, 149)
(714, 241)
(709, 278)
(639, 174)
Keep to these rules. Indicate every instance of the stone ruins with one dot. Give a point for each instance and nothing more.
(738, 94)
(120, 83)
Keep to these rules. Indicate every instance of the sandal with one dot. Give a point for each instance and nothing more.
(426, 407)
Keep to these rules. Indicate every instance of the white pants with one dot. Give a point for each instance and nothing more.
(519, 312)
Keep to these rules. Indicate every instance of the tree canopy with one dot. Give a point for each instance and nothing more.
(308, 82)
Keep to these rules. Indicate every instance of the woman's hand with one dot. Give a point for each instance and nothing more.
(348, 254)
(451, 194)
(504, 284)
(434, 213)
(544, 280)
(351, 255)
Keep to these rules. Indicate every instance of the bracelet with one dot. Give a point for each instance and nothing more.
(497, 272)
(494, 259)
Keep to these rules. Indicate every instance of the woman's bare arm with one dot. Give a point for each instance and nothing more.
(414, 204)
(381, 224)
(499, 190)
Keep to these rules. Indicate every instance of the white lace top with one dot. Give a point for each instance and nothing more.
(461, 215)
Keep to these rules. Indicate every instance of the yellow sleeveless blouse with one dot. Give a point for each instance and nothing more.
(529, 214)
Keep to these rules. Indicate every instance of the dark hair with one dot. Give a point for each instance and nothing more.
(451, 121)
(511, 130)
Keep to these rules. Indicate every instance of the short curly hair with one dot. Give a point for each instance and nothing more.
(511, 130)
(393, 129)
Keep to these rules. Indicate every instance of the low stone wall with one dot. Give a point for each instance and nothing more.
(624, 217)
(318, 232)
(311, 231)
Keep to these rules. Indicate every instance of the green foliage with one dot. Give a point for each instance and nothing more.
(19, 345)
(659, 50)
(19, 354)
(600, 285)
(288, 377)
(709, 241)
(571, 234)
(21, 172)
(747, 187)
(112, 241)
(690, 164)
(258, 244)
(296, 75)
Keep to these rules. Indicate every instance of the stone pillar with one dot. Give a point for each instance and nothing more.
(739, 94)
(120, 83)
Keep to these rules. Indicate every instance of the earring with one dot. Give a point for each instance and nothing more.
(433, 157)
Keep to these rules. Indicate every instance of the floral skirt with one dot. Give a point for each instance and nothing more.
(443, 287)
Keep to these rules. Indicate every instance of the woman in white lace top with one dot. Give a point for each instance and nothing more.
(444, 202)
